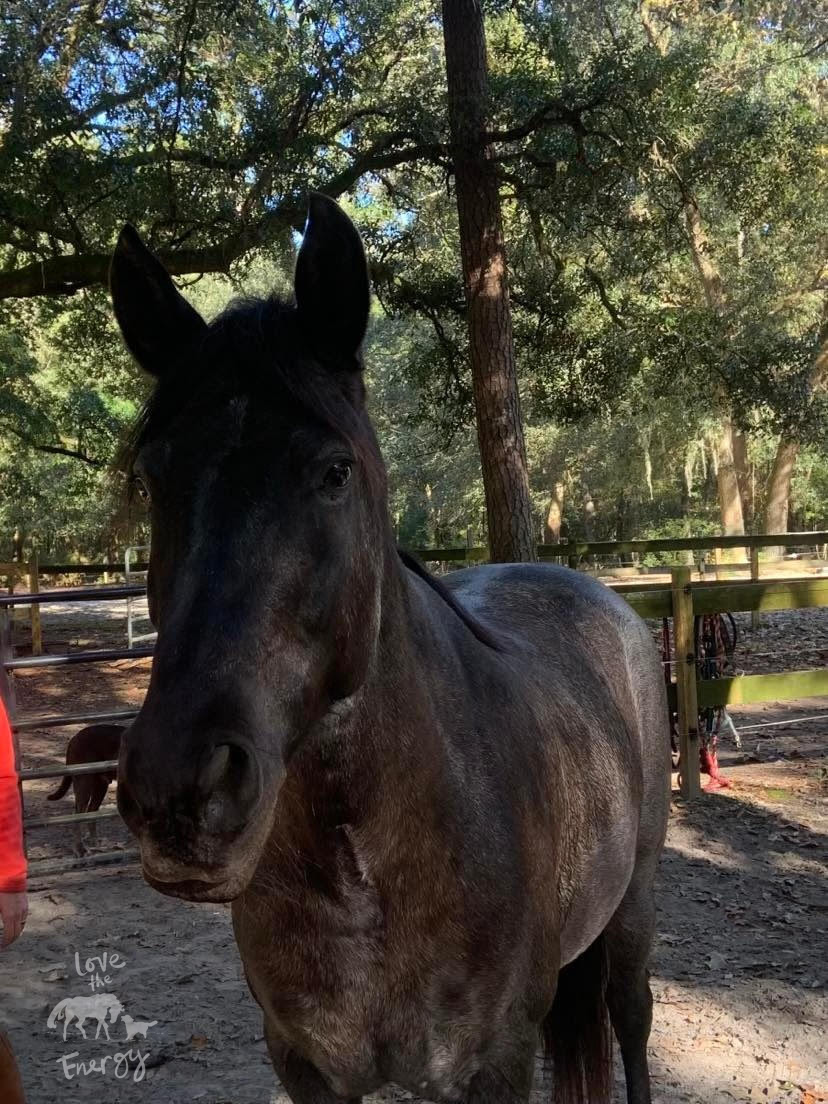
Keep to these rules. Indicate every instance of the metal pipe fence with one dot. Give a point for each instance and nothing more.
(9, 664)
(680, 600)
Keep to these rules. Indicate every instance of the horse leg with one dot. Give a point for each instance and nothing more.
(629, 936)
(301, 1081)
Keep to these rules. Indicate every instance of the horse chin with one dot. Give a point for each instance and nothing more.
(220, 882)
(192, 889)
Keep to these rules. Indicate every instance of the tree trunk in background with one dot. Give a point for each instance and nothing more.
(778, 490)
(18, 545)
(554, 516)
(494, 377)
(648, 466)
(687, 478)
(728, 451)
(730, 498)
(740, 463)
(589, 515)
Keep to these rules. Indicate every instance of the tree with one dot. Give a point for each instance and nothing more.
(206, 123)
(687, 202)
(781, 476)
(618, 134)
(494, 376)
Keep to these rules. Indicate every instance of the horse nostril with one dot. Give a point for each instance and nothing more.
(230, 783)
(214, 769)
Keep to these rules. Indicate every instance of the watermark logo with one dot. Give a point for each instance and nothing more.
(103, 1009)
(78, 1010)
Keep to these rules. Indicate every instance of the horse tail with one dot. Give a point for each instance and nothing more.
(62, 788)
(57, 1012)
(576, 1031)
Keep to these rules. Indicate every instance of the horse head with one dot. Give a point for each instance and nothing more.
(270, 538)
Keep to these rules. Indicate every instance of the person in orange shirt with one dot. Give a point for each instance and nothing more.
(13, 903)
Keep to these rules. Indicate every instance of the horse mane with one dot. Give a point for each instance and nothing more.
(439, 587)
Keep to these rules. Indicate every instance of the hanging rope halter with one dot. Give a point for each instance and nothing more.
(716, 637)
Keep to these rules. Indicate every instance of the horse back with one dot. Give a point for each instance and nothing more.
(590, 701)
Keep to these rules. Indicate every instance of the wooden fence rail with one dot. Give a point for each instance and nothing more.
(687, 600)
(683, 600)
(30, 571)
(566, 550)
(576, 548)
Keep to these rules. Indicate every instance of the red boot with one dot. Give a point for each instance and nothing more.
(710, 765)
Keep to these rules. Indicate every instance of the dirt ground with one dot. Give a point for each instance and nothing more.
(739, 966)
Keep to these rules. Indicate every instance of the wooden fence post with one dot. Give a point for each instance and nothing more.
(717, 559)
(686, 697)
(34, 608)
(755, 615)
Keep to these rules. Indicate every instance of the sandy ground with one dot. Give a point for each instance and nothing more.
(739, 966)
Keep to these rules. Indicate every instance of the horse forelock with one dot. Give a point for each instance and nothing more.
(255, 349)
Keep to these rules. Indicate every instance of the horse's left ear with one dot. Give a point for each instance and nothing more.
(333, 294)
(158, 324)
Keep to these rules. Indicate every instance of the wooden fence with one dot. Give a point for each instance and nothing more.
(28, 570)
(575, 550)
(568, 551)
(683, 601)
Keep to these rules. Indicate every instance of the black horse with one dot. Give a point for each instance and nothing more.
(437, 809)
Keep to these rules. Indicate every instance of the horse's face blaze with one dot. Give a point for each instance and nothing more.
(267, 505)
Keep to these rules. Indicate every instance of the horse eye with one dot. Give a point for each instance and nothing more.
(337, 475)
(141, 488)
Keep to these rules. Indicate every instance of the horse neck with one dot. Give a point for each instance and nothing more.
(393, 726)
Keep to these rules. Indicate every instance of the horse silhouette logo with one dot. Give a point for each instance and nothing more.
(81, 1009)
(136, 1027)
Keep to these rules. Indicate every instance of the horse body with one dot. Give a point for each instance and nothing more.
(437, 808)
(353, 966)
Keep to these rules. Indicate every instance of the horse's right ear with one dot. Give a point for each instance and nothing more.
(158, 324)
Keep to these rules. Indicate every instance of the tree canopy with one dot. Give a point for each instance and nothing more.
(662, 170)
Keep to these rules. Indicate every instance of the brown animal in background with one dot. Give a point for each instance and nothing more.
(93, 744)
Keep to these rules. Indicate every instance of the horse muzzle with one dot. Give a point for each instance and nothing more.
(199, 827)
(186, 874)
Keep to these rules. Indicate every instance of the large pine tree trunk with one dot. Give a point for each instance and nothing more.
(494, 377)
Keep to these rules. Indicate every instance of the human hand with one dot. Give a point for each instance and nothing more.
(14, 908)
